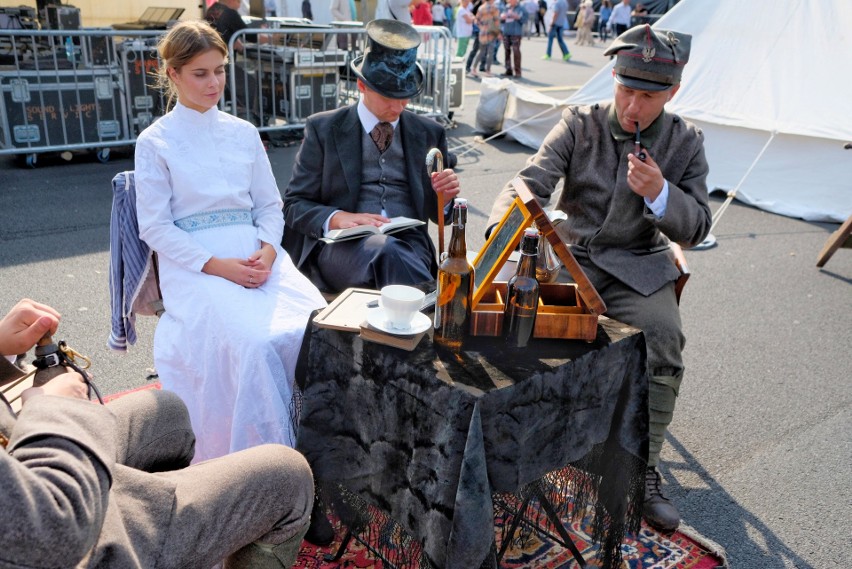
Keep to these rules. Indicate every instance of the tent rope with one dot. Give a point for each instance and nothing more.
(733, 193)
(468, 146)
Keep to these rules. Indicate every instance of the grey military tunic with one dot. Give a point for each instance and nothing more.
(613, 234)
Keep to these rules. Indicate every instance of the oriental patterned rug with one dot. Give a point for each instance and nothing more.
(530, 549)
(685, 549)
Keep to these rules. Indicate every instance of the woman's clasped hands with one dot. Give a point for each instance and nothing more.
(251, 272)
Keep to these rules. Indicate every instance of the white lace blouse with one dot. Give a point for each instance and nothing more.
(188, 163)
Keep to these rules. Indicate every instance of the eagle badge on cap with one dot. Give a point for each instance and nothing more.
(648, 54)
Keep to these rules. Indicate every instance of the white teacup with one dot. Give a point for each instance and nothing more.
(400, 303)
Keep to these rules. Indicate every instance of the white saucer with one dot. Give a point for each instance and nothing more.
(376, 319)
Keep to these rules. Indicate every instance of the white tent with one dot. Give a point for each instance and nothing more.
(761, 71)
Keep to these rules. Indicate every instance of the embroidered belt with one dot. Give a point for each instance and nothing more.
(215, 218)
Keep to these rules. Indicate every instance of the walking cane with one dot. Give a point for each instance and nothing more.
(431, 157)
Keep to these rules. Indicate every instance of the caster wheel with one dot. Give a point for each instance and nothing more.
(103, 155)
(31, 160)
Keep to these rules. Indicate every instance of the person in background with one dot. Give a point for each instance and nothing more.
(421, 13)
(226, 20)
(307, 12)
(531, 8)
(439, 15)
(464, 27)
(624, 209)
(224, 16)
(88, 485)
(344, 11)
(235, 305)
(603, 20)
(558, 20)
(619, 21)
(488, 22)
(365, 163)
(449, 14)
(498, 41)
(474, 50)
(513, 18)
(638, 15)
(585, 21)
(540, 25)
(399, 10)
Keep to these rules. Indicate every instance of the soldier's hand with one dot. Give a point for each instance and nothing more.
(26, 324)
(69, 384)
(644, 177)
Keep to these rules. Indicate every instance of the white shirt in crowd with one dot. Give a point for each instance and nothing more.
(463, 28)
(620, 15)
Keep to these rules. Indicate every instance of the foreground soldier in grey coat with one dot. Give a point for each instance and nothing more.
(86, 485)
(624, 207)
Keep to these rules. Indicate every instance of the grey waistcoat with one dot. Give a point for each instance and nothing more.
(383, 179)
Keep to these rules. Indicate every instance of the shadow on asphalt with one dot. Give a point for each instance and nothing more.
(59, 209)
(703, 509)
(828, 273)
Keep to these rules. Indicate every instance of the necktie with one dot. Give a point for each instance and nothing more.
(382, 134)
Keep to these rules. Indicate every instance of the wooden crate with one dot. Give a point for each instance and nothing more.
(561, 313)
(566, 310)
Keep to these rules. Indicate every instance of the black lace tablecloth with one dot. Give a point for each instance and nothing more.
(427, 437)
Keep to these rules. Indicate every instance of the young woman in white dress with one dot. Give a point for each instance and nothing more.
(236, 306)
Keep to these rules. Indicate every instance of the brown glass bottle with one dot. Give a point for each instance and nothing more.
(522, 295)
(455, 286)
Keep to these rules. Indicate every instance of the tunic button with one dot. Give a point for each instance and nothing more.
(383, 160)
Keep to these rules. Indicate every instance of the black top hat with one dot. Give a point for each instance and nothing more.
(650, 60)
(389, 64)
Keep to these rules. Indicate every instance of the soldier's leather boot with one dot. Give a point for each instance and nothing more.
(657, 510)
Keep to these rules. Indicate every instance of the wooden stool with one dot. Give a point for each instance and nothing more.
(840, 238)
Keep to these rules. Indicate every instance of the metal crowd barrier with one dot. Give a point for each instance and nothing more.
(93, 89)
(296, 72)
(61, 90)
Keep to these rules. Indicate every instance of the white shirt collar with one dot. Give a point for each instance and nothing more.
(368, 119)
(208, 117)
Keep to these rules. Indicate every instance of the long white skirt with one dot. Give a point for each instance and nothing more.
(230, 352)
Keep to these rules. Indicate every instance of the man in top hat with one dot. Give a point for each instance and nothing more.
(625, 206)
(363, 164)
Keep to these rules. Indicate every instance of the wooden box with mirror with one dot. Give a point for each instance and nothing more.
(566, 310)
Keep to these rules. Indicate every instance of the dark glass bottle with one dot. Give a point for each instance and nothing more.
(455, 286)
(522, 295)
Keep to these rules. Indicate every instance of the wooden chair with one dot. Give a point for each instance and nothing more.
(682, 266)
(840, 238)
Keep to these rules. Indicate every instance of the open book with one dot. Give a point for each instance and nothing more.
(394, 225)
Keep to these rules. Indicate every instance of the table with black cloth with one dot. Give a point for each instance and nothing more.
(430, 438)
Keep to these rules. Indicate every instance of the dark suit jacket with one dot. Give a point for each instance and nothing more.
(327, 174)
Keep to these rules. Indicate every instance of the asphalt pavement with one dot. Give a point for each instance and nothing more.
(758, 456)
